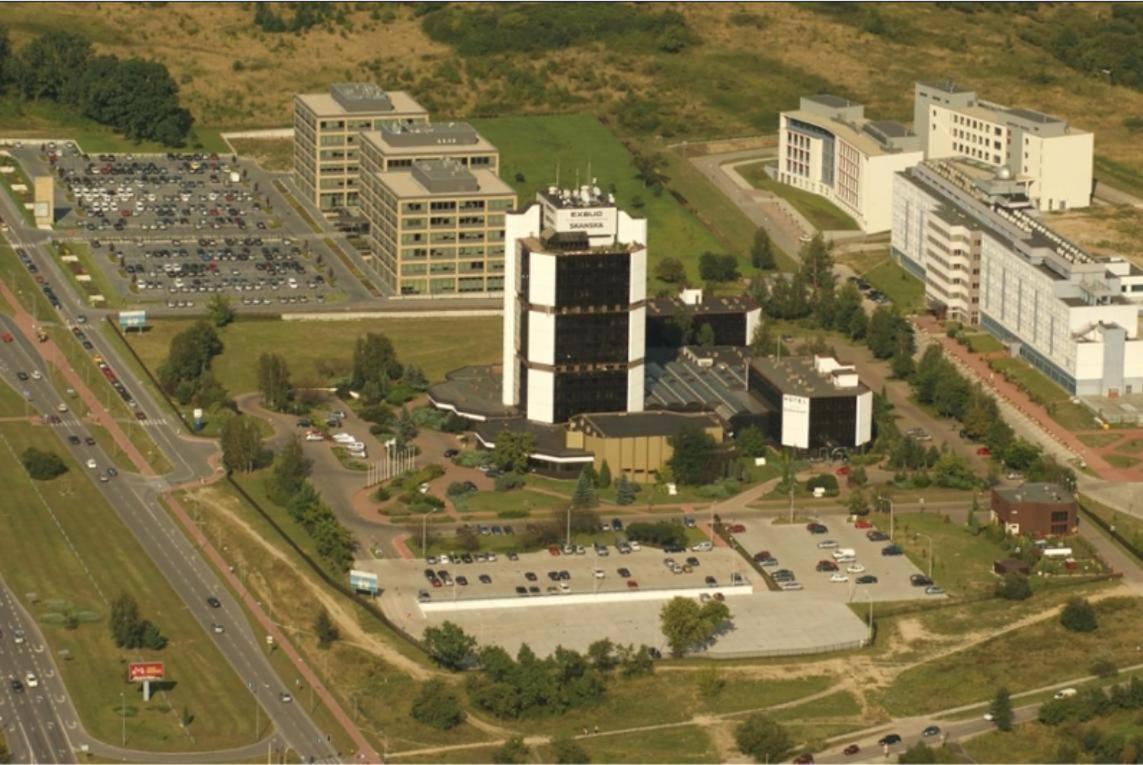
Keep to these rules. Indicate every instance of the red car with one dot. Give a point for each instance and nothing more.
(861, 523)
(804, 759)
(632, 584)
(843, 470)
(6, 337)
(139, 415)
(737, 528)
(851, 750)
(553, 550)
(983, 452)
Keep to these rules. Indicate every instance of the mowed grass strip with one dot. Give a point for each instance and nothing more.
(576, 148)
(1033, 656)
(905, 290)
(36, 558)
(819, 211)
(313, 349)
(683, 743)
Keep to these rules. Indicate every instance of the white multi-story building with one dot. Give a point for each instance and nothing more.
(575, 291)
(1073, 315)
(827, 147)
(1052, 159)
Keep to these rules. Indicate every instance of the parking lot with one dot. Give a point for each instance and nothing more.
(763, 622)
(175, 192)
(253, 270)
(797, 550)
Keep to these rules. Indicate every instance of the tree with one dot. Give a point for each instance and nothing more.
(902, 364)
(124, 617)
(1078, 615)
(687, 625)
(437, 705)
(151, 638)
(857, 503)
(603, 478)
(241, 444)
(624, 491)
(763, 739)
(512, 450)
(219, 309)
(5, 57)
(44, 66)
(374, 359)
(406, 428)
(881, 337)
(414, 377)
(511, 752)
(1014, 586)
(858, 326)
(568, 751)
(1001, 710)
(705, 335)
(188, 358)
(584, 494)
(42, 465)
(274, 381)
(449, 645)
(762, 252)
(716, 267)
(291, 468)
(601, 653)
(762, 343)
(671, 271)
(952, 471)
(693, 459)
(326, 631)
(817, 267)
(750, 442)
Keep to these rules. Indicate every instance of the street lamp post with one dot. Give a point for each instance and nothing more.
(926, 536)
(425, 532)
(891, 519)
(123, 718)
(569, 525)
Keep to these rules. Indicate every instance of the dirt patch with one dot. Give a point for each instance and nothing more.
(347, 623)
(911, 630)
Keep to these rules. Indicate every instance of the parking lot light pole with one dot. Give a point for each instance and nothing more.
(425, 532)
(890, 501)
(569, 524)
(926, 536)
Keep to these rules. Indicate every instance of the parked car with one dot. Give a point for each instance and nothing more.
(891, 550)
(851, 750)
(889, 740)
(876, 536)
(866, 579)
(920, 580)
(932, 730)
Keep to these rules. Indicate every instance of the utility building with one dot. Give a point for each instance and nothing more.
(819, 402)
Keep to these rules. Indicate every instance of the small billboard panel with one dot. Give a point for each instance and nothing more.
(139, 671)
(132, 319)
(363, 581)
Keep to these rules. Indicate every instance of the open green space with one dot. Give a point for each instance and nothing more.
(905, 290)
(982, 342)
(538, 150)
(684, 743)
(15, 175)
(1030, 657)
(46, 120)
(63, 542)
(1117, 174)
(98, 284)
(1029, 379)
(273, 154)
(1120, 460)
(962, 561)
(12, 404)
(1035, 742)
(317, 351)
(995, 613)
(511, 502)
(840, 704)
(1129, 526)
(1099, 440)
(1133, 446)
(819, 211)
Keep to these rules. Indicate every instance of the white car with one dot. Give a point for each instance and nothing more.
(989, 716)
(444, 559)
(598, 572)
(635, 546)
(91, 464)
(703, 547)
(61, 408)
(491, 557)
(856, 568)
(36, 375)
(314, 436)
(838, 577)
(790, 585)
(31, 680)
(827, 544)
(565, 587)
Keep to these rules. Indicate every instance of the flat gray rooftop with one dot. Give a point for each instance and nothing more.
(672, 381)
(796, 375)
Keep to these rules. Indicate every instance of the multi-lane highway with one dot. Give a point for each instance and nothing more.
(135, 500)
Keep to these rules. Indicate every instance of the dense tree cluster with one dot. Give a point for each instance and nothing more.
(129, 630)
(528, 686)
(241, 442)
(185, 374)
(693, 460)
(688, 626)
(305, 16)
(657, 533)
(1094, 44)
(1093, 702)
(42, 465)
(487, 30)
(763, 739)
(718, 267)
(437, 705)
(135, 97)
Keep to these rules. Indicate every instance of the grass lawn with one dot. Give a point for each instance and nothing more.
(64, 543)
(1127, 525)
(905, 290)
(1027, 658)
(1099, 440)
(982, 342)
(316, 349)
(1131, 447)
(962, 563)
(12, 404)
(1120, 460)
(1031, 380)
(1120, 176)
(46, 120)
(1035, 742)
(274, 154)
(819, 211)
(840, 704)
(537, 149)
(511, 502)
(685, 743)
(1072, 416)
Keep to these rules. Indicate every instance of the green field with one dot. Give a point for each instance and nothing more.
(819, 211)
(962, 562)
(314, 348)
(1027, 658)
(1034, 742)
(11, 403)
(982, 342)
(578, 147)
(905, 290)
(1127, 525)
(684, 743)
(511, 501)
(96, 561)
(1031, 380)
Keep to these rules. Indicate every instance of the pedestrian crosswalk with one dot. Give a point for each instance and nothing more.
(153, 421)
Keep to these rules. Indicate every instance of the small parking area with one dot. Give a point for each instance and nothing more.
(252, 270)
(126, 194)
(796, 550)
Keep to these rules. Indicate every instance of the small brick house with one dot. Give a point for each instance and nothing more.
(1036, 510)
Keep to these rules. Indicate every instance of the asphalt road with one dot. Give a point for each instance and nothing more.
(135, 500)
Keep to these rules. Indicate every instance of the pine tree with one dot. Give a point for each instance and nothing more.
(603, 480)
(761, 252)
(325, 629)
(624, 491)
(584, 495)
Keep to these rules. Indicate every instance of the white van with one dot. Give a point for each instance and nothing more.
(1065, 693)
(844, 552)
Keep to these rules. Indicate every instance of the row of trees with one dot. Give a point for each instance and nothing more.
(135, 97)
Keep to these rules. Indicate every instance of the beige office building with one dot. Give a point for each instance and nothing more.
(436, 229)
(399, 146)
(327, 129)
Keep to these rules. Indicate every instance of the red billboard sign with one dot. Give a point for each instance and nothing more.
(145, 670)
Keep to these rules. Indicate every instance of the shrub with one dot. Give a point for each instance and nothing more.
(825, 481)
(1104, 666)
(1014, 586)
(41, 465)
(1079, 616)
(658, 533)
(437, 705)
(509, 481)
